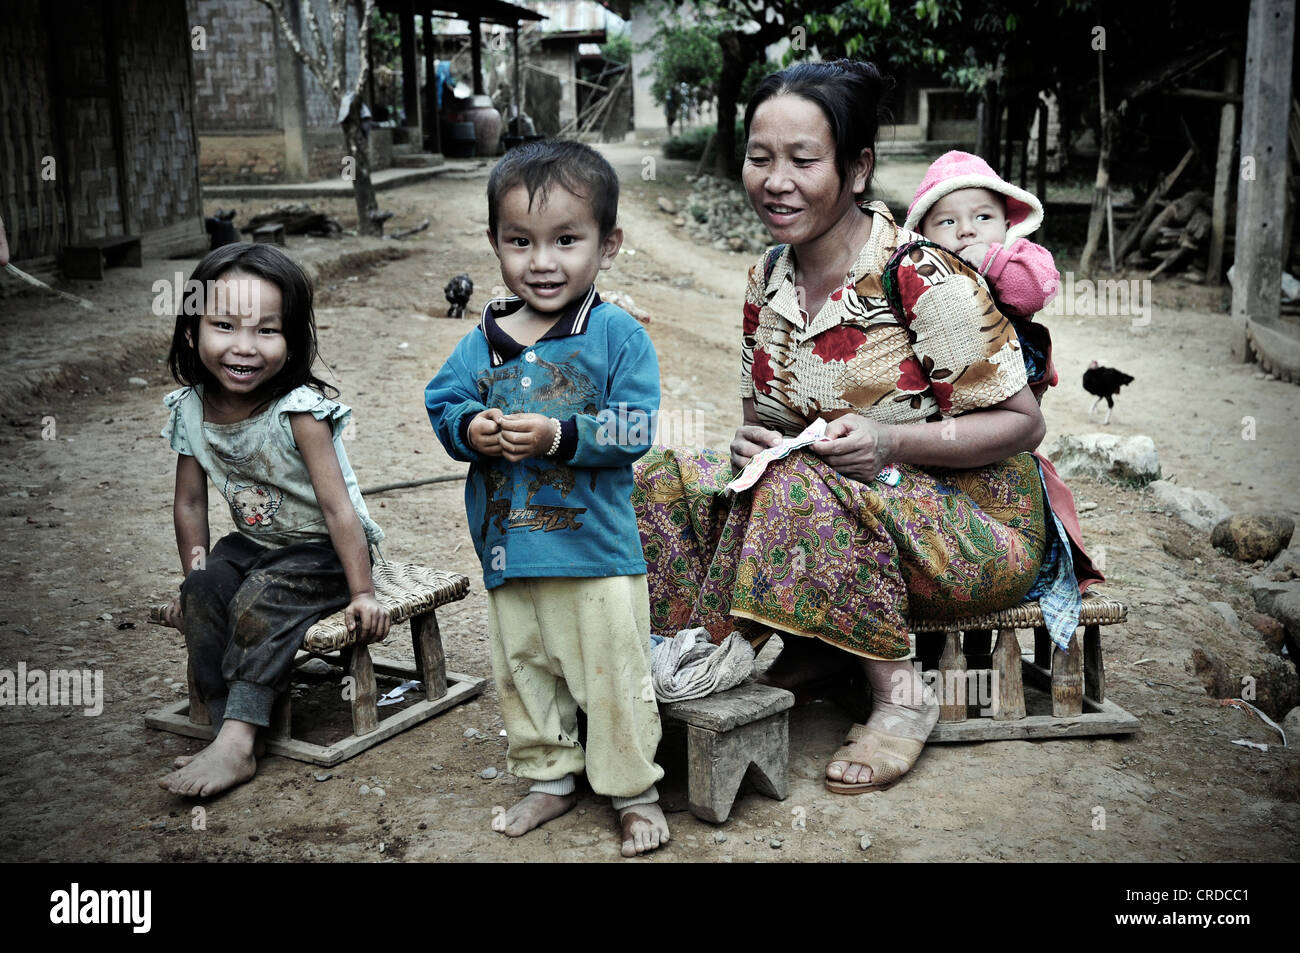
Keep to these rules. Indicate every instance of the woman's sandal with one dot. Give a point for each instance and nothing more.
(888, 756)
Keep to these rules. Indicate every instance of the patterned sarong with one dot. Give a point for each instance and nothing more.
(810, 552)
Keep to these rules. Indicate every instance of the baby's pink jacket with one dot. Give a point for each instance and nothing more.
(1023, 275)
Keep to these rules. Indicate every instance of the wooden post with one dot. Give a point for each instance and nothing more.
(1009, 692)
(292, 100)
(1261, 188)
(365, 714)
(1101, 190)
(1224, 174)
(476, 53)
(951, 682)
(1040, 177)
(432, 139)
(410, 82)
(1094, 673)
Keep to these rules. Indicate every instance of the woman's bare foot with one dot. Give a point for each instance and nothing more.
(644, 829)
(534, 810)
(226, 762)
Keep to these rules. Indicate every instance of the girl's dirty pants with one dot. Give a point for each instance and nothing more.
(246, 613)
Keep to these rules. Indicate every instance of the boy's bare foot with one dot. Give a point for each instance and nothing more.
(534, 810)
(644, 829)
(259, 749)
(226, 762)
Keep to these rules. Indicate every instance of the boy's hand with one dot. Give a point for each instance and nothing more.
(485, 433)
(974, 254)
(171, 614)
(526, 435)
(372, 618)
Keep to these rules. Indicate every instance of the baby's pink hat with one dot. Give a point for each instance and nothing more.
(961, 170)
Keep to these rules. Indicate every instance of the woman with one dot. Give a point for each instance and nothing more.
(935, 386)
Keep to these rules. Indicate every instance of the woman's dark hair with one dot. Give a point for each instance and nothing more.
(297, 319)
(848, 92)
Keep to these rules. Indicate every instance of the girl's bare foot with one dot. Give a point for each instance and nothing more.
(226, 762)
(534, 810)
(644, 829)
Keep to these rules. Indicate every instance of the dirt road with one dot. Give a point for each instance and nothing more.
(87, 546)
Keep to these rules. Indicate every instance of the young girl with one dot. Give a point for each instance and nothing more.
(254, 420)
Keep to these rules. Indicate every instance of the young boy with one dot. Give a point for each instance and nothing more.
(536, 399)
(964, 206)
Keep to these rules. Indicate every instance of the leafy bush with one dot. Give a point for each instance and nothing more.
(690, 144)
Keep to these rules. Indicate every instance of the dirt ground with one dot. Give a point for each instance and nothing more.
(86, 546)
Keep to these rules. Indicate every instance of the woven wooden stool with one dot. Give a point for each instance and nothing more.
(1076, 678)
(407, 591)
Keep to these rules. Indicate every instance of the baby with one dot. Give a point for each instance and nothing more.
(964, 206)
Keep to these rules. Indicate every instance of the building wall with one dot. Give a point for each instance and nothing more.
(105, 91)
(235, 77)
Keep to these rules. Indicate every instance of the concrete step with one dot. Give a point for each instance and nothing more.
(416, 160)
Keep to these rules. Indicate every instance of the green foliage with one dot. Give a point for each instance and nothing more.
(686, 67)
(385, 39)
(690, 144)
(618, 48)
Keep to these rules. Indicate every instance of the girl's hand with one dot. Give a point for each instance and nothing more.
(366, 613)
(171, 614)
(526, 435)
(857, 447)
(749, 440)
(484, 433)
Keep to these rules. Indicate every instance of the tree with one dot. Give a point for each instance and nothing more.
(685, 69)
(330, 69)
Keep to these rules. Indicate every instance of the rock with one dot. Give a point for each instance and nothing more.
(137, 382)
(378, 792)
(679, 221)
(865, 842)
(1084, 506)
(666, 205)
(487, 774)
(736, 243)
(1251, 536)
(1291, 725)
(324, 777)
(1273, 631)
(471, 732)
(1107, 457)
(1228, 613)
(315, 666)
(774, 844)
(1178, 548)
(719, 838)
(422, 826)
(1277, 688)
(1199, 509)
(365, 789)
(1286, 609)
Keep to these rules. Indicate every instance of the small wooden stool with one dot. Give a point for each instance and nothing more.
(89, 259)
(1076, 678)
(740, 733)
(407, 591)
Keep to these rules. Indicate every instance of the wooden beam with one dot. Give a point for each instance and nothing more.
(1261, 193)
(410, 82)
(1223, 173)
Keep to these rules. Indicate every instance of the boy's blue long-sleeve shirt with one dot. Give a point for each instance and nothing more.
(571, 514)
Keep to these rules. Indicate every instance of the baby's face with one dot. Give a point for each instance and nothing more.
(967, 217)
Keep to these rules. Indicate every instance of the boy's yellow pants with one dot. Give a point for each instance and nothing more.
(560, 644)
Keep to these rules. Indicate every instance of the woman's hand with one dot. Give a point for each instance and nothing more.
(749, 440)
(365, 612)
(857, 447)
(484, 433)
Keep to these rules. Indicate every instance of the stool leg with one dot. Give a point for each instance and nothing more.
(717, 762)
(951, 683)
(199, 714)
(365, 709)
(281, 727)
(1094, 673)
(1067, 680)
(1009, 692)
(429, 657)
(1042, 647)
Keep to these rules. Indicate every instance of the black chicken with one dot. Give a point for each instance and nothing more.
(458, 292)
(1104, 382)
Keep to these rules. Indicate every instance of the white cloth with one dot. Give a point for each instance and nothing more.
(690, 666)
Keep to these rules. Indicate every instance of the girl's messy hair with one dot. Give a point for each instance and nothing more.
(297, 319)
